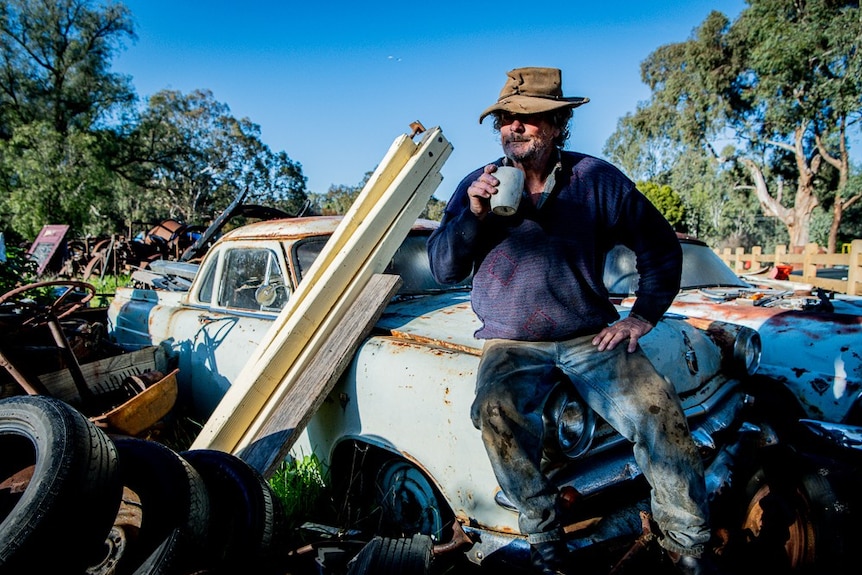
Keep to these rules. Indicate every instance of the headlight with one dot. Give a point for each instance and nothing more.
(569, 422)
(746, 351)
(740, 345)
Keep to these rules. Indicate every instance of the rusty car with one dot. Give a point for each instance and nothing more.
(810, 337)
(406, 464)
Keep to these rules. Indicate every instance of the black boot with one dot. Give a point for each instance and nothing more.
(550, 558)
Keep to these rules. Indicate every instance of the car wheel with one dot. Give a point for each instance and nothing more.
(409, 502)
(791, 524)
(390, 556)
(60, 487)
(171, 494)
(247, 520)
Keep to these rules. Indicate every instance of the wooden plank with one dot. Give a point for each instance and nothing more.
(272, 442)
(375, 262)
(396, 158)
(103, 375)
(332, 281)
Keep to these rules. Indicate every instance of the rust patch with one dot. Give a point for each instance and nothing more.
(446, 345)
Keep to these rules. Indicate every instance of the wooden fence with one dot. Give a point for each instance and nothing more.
(808, 262)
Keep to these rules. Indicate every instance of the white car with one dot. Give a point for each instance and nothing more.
(395, 434)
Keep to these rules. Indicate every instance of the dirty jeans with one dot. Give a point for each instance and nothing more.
(513, 382)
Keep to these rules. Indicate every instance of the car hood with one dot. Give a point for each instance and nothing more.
(445, 320)
(816, 352)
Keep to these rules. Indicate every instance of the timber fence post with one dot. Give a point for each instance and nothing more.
(854, 268)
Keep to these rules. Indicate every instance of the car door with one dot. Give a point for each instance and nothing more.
(227, 312)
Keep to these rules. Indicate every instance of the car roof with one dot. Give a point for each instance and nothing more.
(303, 226)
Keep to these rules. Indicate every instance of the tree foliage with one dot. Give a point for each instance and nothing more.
(782, 83)
(194, 158)
(666, 200)
(55, 57)
(56, 94)
(77, 147)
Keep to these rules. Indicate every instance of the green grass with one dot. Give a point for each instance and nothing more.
(301, 486)
(106, 287)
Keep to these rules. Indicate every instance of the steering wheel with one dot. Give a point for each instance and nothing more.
(59, 308)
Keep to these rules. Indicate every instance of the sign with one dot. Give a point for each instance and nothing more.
(45, 245)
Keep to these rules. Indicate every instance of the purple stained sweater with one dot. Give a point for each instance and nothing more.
(538, 273)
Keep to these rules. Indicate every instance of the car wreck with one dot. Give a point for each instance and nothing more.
(810, 338)
(395, 434)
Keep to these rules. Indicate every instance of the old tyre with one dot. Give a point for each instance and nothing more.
(172, 497)
(60, 487)
(247, 519)
(394, 556)
(170, 557)
(792, 524)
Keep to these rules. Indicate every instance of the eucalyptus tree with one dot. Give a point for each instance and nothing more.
(783, 85)
(191, 158)
(57, 95)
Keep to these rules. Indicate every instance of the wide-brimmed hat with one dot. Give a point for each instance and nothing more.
(533, 91)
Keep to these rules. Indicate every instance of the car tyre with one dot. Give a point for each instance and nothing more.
(247, 520)
(172, 496)
(394, 556)
(60, 487)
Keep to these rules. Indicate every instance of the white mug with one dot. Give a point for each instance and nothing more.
(509, 191)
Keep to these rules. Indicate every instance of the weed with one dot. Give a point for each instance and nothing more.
(301, 486)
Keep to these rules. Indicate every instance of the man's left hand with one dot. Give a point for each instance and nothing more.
(630, 328)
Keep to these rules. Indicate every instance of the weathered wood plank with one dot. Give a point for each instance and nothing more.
(103, 375)
(325, 294)
(285, 423)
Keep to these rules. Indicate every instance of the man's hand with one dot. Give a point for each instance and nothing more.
(481, 190)
(630, 328)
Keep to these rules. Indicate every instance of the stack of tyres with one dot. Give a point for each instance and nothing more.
(76, 501)
(60, 487)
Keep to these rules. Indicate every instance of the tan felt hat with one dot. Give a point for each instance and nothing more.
(532, 91)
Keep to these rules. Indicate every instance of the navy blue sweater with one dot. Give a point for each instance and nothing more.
(538, 273)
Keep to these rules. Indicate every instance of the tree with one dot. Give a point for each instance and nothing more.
(191, 157)
(666, 200)
(56, 96)
(57, 179)
(784, 83)
(338, 198)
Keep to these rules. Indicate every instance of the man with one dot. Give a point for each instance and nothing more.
(538, 290)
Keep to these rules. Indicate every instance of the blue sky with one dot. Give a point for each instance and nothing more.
(333, 85)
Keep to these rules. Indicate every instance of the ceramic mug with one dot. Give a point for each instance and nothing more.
(509, 190)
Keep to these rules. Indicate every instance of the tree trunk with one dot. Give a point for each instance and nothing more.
(842, 164)
(798, 218)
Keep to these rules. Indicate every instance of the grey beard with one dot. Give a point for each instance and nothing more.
(533, 157)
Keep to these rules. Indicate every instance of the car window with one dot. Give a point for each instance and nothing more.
(205, 294)
(253, 280)
(410, 262)
(701, 267)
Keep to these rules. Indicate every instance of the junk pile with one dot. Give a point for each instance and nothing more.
(76, 500)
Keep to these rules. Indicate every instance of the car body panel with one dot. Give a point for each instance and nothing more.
(408, 389)
(811, 343)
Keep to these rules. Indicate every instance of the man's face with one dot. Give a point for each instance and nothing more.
(527, 139)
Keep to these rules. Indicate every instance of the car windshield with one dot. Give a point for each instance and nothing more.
(410, 262)
(701, 268)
